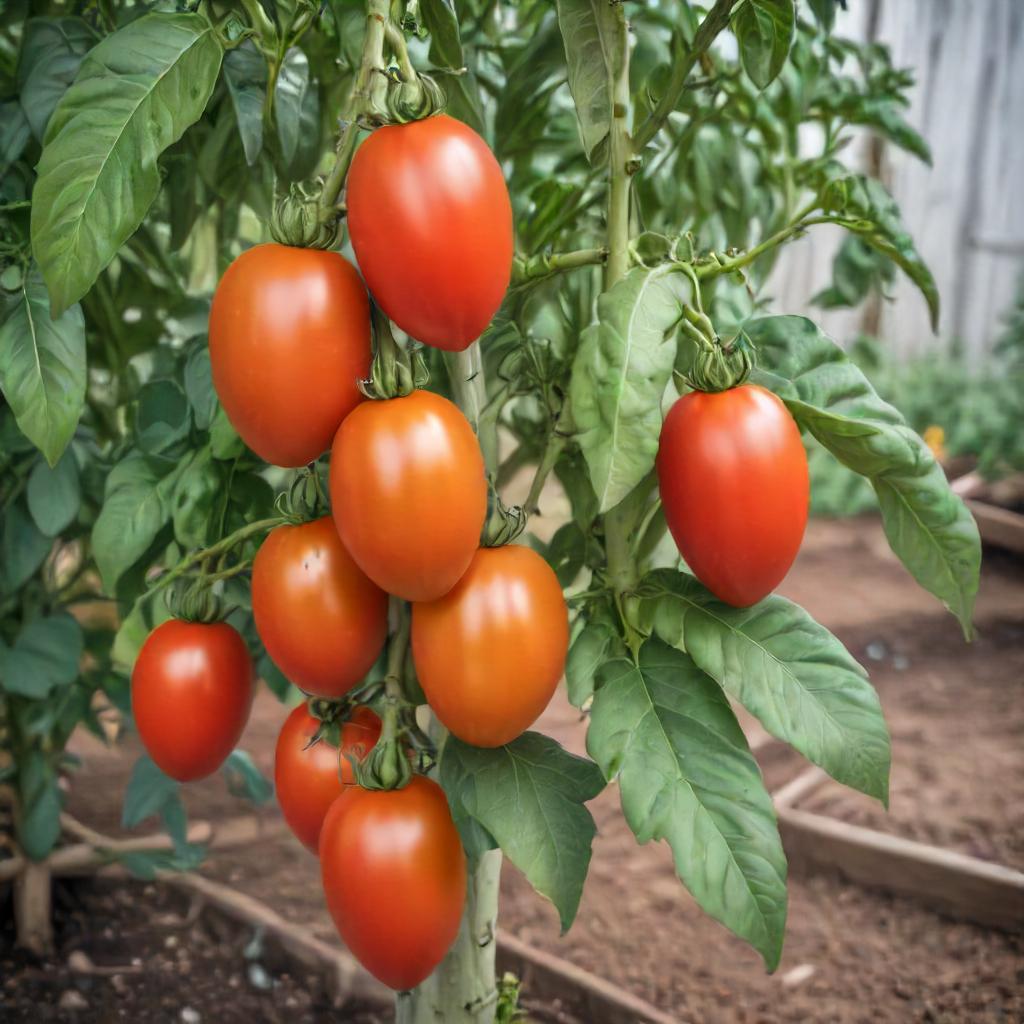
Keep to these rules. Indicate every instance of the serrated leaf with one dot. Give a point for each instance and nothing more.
(135, 509)
(589, 32)
(529, 795)
(245, 71)
(863, 206)
(620, 373)
(928, 527)
(54, 495)
(135, 94)
(44, 657)
(785, 669)
(764, 31)
(665, 730)
(42, 367)
(51, 52)
(586, 655)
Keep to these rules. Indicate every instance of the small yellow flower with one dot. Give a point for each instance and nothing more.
(935, 438)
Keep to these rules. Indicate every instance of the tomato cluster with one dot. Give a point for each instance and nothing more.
(290, 340)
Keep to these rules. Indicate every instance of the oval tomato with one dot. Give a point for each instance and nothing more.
(431, 226)
(308, 779)
(322, 621)
(192, 688)
(289, 340)
(409, 493)
(394, 876)
(732, 472)
(489, 653)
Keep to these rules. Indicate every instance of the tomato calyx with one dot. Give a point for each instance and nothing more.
(413, 99)
(396, 370)
(504, 524)
(300, 219)
(716, 365)
(193, 600)
(305, 500)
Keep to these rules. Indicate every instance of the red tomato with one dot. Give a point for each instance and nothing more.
(308, 779)
(489, 653)
(431, 226)
(289, 339)
(409, 493)
(733, 478)
(394, 876)
(192, 688)
(322, 621)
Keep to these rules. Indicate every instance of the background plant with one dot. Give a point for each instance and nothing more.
(657, 166)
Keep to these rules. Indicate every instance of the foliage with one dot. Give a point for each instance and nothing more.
(169, 142)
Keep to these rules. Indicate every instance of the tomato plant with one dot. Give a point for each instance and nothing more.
(440, 262)
(320, 618)
(394, 878)
(192, 688)
(413, 456)
(491, 651)
(310, 771)
(181, 340)
(732, 474)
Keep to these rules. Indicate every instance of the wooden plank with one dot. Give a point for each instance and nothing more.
(550, 977)
(797, 788)
(998, 525)
(945, 881)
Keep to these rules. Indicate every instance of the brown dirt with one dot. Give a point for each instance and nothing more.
(851, 955)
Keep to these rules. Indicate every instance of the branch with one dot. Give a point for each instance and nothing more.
(534, 268)
(715, 22)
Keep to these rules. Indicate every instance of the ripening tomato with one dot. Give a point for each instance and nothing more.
(431, 226)
(394, 875)
(192, 688)
(322, 621)
(409, 493)
(289, 340)
(733, 478)
(308, 779)
(490, 652)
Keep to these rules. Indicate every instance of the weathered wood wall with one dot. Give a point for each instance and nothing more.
(966, 212)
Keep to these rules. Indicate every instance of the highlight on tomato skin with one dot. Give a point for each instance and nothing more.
(733, 478)
(409, 493)
(489, 654)
(308, 778)
(321, 619)
(394, 877)
(289, 342)
(440, 262)
(192, 689)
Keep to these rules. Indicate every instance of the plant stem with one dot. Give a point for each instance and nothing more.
(359, 100)
(396, 41)
(534, 268)
(552, 450)
(466, 374)
(715, 22)
(800, 223)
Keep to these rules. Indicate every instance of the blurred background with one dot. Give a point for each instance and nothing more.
(911, 915)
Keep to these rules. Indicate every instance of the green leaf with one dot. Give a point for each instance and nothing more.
(135, 509)
(245, 780)
(23, 548)
(589, 32)
(622, 368)
(245, 71)
(162, 417)
(146, 614)
(764, 30)
(54, 495)
(149, 792)
(135, 94)
(196, 494)
(147, 864)
(441, 21)
(566, 553)
(199, 386)
(42, 366)
(44, 657)
(529, 795)
(588, 652)
(825, 12)
(791, 673)
(39, 826)
(14, 134)
(51, 52)
(863, 206)
(224, 440)
(297, 113)
(927, 525)
(666, 731)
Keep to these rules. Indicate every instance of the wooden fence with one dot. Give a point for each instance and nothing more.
(966, 212)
